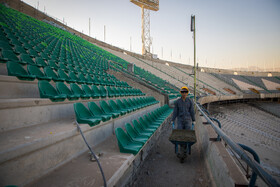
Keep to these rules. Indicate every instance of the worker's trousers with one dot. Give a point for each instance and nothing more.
(184, 124)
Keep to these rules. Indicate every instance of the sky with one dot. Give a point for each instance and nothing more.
(229, 33)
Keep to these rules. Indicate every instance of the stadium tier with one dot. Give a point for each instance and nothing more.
(52, 81)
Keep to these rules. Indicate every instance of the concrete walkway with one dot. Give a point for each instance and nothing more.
(162, 167)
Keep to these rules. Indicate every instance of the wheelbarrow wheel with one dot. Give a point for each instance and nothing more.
(182, 159)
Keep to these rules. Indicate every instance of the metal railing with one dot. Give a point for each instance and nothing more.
(238, 149)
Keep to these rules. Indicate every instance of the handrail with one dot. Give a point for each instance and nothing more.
(257, 159)
(256, 167)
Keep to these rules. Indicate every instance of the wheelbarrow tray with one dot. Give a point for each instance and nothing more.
(181, 136)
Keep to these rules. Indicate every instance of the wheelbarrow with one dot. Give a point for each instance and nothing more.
(184, 138)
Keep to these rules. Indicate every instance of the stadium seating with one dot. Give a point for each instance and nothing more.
(126, 145)
(48, 91)
(96, 111)
(133, 134)
(83, 115)
(63, 89)
(15, 69)
(107, 109)
(34, 70)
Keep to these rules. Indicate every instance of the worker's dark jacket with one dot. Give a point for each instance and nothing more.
(184, 110)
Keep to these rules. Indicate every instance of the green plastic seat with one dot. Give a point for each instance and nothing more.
(133, 134)
(78, 91)
(145, 126)
(7, 55)
(111, 92)
(32, 53)
(103, 91)
(129, 105)
(123, 107)
(97, 91)
(4, 45)
(48, 91)
(115, 107)
(140, 130)
(84, 116)
(25, 59)
(117, 92)
(53, 64)
(89, 91)
(74, 77)
(19, 50)
(50, 73)
(63, 89)
(40, 62)
(107, 109)
(83, 79)
(63, 75)
(34, 70)
(62, 66)
(126, 145)
(89, 79)
(96, 111)
(15, 69)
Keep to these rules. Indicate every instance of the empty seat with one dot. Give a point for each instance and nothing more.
(50, 73)
(89, 91)
(53, 64)
(96, 111)
(73, 76)
(146, 126)
(7, 55)
(84, 116)
(63, 89)
(15, 69)
(34, 70)
(116, 108)
(103, 90)
(48, 91)
(108, 110)
(140, 129)
(97, 91)
(133, 134)
(25, 59)
(78, 91)
(126, 145)
(123, 106)
(40, 62)
(63, 75)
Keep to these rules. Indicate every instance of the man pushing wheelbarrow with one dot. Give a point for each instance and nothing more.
(184, 135)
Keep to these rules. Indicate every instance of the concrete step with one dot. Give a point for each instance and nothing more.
(12, 87)
(30, 152)
(119, 168)
(24, 112)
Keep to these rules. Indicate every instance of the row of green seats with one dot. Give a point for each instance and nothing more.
(62, 91)
(113, 109)
(32, 72)
(137, 135)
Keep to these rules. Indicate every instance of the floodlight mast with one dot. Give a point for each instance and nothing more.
(146, 6)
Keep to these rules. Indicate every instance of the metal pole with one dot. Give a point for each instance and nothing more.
(89, 27)
(104, 32)
(194, 56)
